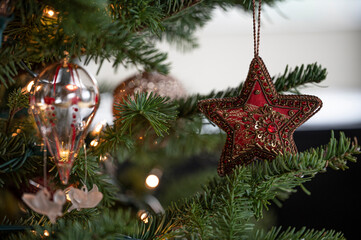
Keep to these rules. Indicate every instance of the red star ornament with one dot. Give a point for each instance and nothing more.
(259, 122)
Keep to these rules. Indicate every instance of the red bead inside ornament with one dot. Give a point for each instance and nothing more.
(272, 128)
(49, 100)
(74, 101)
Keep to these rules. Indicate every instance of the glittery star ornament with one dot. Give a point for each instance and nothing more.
(259, 122)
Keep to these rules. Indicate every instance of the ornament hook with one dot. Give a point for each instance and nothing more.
(256, 34)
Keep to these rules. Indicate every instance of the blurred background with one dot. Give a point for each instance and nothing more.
(295, 32)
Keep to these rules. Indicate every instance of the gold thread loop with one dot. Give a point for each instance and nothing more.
(256, 35)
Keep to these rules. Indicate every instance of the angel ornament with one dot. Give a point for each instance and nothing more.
(81, 198)
(41, 203)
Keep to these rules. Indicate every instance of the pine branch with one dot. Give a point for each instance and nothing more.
(291, 233)
(233, 210)
(290, 80)
(139, 15)
(120, 30)
(335, 154)
(110, 225)
(159, 227)
(287, 172)
(34, 37)
(81, 18)
(13, 153)
(183, 18)
(143, 111)
(17, 101)
(222, 211)
(124, 47)
(93, 176)
(263, 180)
(112, 141)
(18, 159)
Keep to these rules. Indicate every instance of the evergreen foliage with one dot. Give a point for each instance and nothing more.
(145, 110)
(261, 182)
(276, 233)
(224, 209)
(124, 31)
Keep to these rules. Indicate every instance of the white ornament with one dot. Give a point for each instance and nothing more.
(81, 198)
(41, 203)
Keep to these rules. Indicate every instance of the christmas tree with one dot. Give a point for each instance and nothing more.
(158, 132)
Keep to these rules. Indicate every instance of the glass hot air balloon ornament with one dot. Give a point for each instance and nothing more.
(64, 100)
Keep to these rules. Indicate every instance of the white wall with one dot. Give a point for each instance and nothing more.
(294, 32)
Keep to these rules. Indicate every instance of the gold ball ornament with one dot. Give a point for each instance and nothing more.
(155, 82)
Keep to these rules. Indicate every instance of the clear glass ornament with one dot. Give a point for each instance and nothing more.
(64, 100)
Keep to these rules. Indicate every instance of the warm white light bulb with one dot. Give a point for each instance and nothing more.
(143, 215)
(152, 181)
(68, 197)
(64, 153)
(46, 233)
(71, 87)
(94, 143)
(29, 86)
(51, 13)
(98, 128)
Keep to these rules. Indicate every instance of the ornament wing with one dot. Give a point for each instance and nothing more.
(79, 196)
(93, 198)
(56, 206)
(76, 197)
(38, 202)
(84, 199)
(41, 203)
